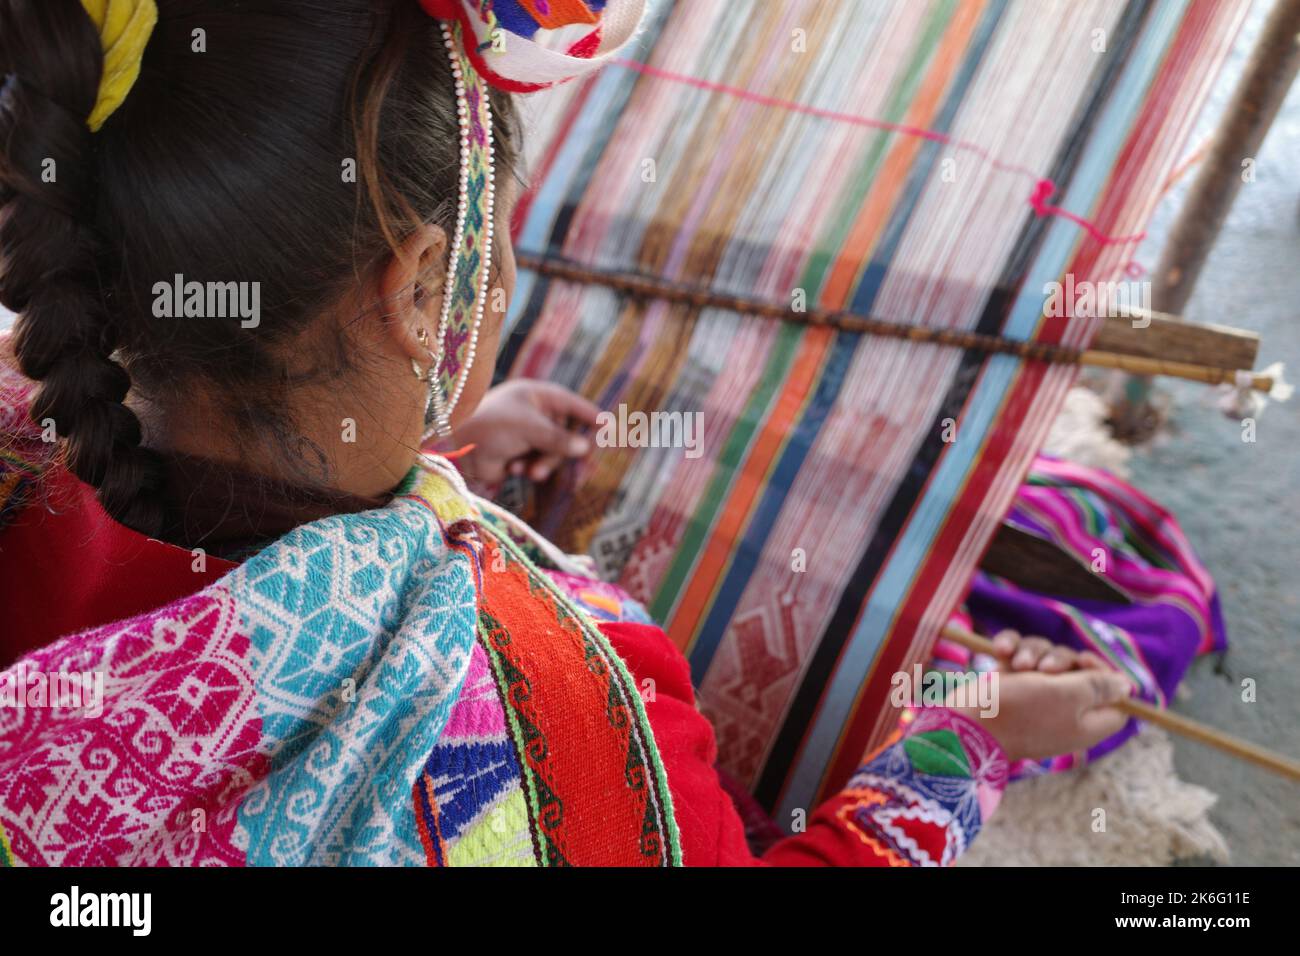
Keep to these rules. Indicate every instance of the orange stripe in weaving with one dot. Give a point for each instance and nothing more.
(766, 446)
(892, 178)
(712, 564)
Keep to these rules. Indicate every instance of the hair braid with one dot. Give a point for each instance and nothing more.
(64, 337)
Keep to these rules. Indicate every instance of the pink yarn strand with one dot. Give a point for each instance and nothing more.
(1043, 189)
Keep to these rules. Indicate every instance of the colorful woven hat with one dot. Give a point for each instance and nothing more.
(513, 43)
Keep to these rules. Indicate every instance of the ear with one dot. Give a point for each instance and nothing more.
(411, 287)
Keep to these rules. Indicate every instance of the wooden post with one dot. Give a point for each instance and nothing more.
(1259, 95)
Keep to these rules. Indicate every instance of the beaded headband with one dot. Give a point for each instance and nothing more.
(465, 293)
(503, 51)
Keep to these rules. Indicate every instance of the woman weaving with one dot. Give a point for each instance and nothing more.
(316, 644)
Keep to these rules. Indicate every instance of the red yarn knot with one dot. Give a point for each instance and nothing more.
(1043, 191)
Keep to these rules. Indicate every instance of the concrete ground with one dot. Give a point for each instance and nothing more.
(1239, 503)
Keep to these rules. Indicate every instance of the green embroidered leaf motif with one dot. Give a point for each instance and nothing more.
(938, 753)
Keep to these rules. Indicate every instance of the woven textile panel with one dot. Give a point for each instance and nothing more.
(927, 162)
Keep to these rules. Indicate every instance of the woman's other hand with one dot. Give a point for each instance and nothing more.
(1016, 653)
(523, 427)
(1050, 699)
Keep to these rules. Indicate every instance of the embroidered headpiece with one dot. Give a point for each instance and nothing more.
(509, 52)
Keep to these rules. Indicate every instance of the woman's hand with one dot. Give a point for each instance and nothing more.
(1051, 699)
(1018, 653)
(524, 426)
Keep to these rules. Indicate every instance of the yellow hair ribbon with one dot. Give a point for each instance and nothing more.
(124, 30)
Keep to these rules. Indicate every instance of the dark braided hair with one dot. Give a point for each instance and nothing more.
(222, 165)
(64, 337)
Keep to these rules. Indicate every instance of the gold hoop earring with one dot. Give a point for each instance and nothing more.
(421, 336)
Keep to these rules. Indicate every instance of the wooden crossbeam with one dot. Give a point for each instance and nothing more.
(1169, 337)
(1215, 372)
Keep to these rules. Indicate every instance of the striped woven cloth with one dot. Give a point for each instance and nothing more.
(929, 162)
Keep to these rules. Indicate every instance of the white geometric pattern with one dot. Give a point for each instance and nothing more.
(154, 779)
(361, 627)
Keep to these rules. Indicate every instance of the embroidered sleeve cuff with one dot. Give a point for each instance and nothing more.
(922, 800)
